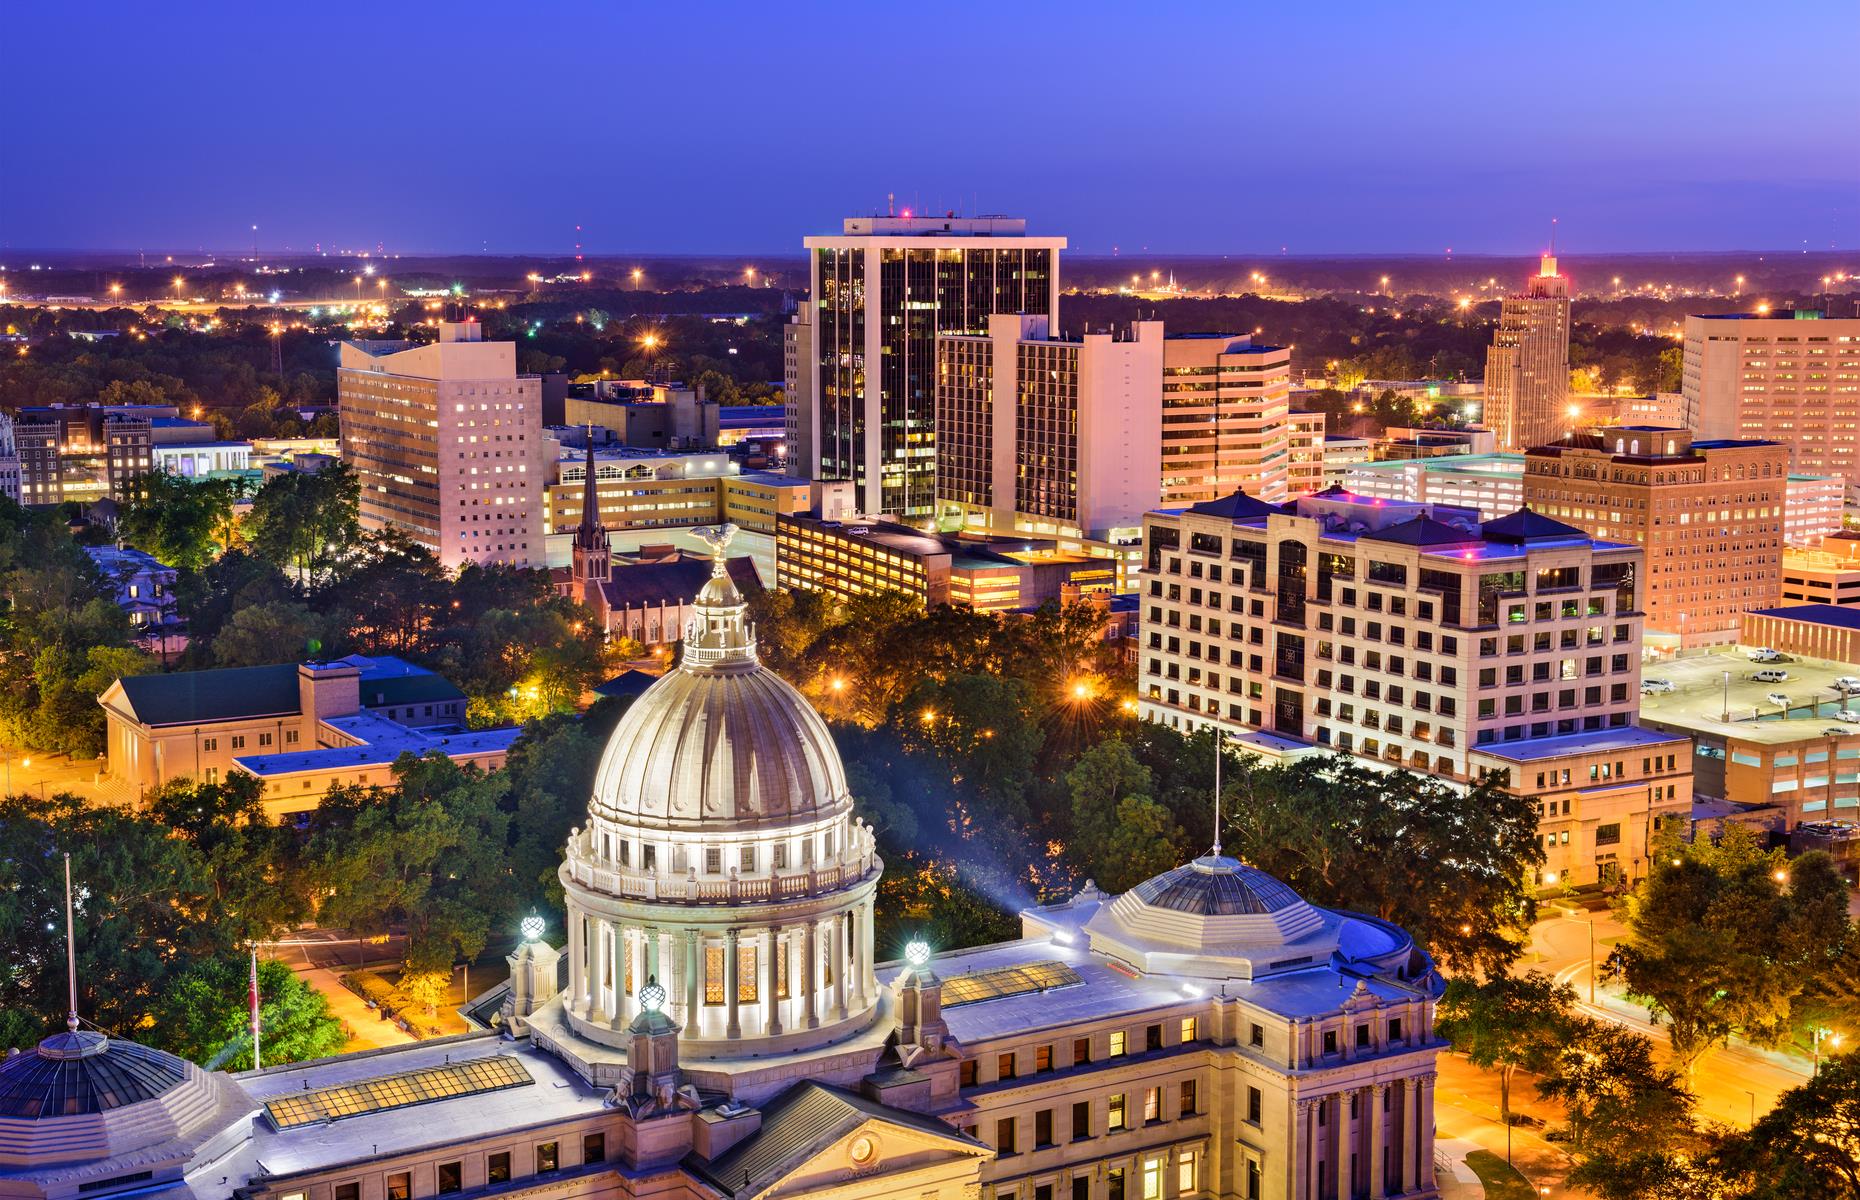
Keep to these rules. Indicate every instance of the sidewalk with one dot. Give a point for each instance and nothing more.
(367, 1031)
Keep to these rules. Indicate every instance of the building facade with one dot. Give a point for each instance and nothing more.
(1601, 797)
(1527, 367)
(1410, 634)
(1304, 460)
(1491, 483)
(11, 481)
(447, 443)
(1709, 515)
(1814, 508)
(727, 1030)
(1792, 377)
(84, 452)
(1226, 418)
(1049, 435)
(857, 557)
(302, 728)
(879, 293)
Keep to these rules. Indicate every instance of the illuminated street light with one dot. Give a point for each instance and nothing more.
(116, 289)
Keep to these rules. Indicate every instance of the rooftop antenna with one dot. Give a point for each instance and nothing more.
(1552, 237)
(71, 1017)
(891, 204)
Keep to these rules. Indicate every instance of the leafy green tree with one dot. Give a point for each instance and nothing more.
(1446, 865)
(429, 852)
(1506, 1024)
(941, 903)
(182, 523)
(142, 904)
(1807, 1146)
(204, 1015)
(982, 728)
(1109, 787)
(278, 631)
(1725, 938)
(1143, 843)
(250, 862)
(306, 523)
(1618, 1101)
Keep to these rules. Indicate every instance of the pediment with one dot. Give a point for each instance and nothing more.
(880, 1158)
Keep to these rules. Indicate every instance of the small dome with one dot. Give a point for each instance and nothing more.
(1214, 917)
(71, 1074)
(722, 742)
(1216, 887)
(81, 1097)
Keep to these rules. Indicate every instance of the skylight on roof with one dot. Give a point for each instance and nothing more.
(1007, 981)
(397, 1091)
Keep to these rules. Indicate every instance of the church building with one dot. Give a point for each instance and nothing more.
(730, 1029)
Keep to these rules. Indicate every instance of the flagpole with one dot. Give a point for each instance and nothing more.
(71, 1018)
(254, 999)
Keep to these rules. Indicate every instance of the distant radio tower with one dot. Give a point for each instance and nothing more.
(577, 243)
(254, 243)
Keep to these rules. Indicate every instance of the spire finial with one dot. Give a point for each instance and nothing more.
(718, 538)
(71, 1017)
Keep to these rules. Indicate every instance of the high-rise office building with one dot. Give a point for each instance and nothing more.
(1413, 635)
(1049, 435)
(1527, 368)
(862, 353)
(1708, 513)
(1226, 405)
(1791, 377)
(447, 441)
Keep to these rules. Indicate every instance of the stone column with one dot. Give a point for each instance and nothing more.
(1425, 1100)
(1296, 1152)
(1411, 1135)
(771, 994)
(810, 975)
(1372, 1096)
(866, 936)
(1339, 1128)
(730, 965)
(598, 1008)
(693, 981)
(858, 956)
(577, 964)
(1307, 1153)
(836, 949)
(652, 958)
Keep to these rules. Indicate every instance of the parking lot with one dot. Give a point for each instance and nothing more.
(1700, 695)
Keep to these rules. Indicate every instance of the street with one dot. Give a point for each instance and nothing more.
(1733, 1084)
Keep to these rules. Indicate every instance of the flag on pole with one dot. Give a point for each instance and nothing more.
(254, 1001)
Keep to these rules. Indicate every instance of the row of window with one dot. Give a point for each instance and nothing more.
(450, 1176)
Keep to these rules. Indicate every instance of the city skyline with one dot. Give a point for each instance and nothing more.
(1360, 132)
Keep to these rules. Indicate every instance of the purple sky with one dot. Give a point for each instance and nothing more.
(738, 127)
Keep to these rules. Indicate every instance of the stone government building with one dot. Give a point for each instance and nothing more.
(728, 1030)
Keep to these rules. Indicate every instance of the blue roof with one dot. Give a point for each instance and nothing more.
(1815, 614)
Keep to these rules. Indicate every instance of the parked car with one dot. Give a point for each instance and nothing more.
(1837, 731)
(1852, 718)
(1649, 686)
(1778, 699)
(1765, 655)
(1770, 675)
(1848, 684)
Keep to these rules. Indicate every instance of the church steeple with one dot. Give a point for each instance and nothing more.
(593, 558)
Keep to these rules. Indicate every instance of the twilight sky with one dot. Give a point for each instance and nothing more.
(737, 126)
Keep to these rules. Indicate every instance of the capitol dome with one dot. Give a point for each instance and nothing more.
(722, 858)
(81, 1097)
(721, 741)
